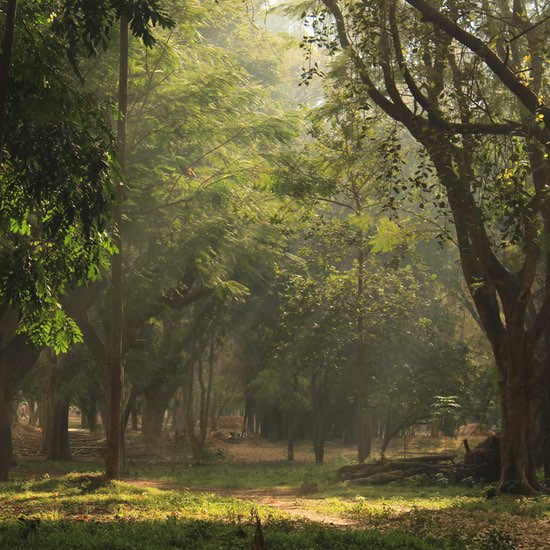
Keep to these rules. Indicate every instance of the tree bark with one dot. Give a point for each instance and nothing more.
(520, 403)
(55, 413)
(55, 429)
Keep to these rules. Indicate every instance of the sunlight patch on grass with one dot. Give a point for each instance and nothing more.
(83, 496)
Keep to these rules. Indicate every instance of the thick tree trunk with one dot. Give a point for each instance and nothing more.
(55, 430)
(501, 300)
(153, 414)
(88, 414)
(55, 414)
(92, 417)
(520, 403)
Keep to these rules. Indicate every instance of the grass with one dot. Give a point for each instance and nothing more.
(82, 510)
(69, 505)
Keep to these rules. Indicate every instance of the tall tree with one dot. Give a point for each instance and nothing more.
(416, 65)
(56, 172)
(115, 432)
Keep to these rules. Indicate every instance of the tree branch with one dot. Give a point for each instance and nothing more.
(526, 96)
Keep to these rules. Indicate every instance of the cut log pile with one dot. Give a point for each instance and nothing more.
(27, 443)
(479, 463)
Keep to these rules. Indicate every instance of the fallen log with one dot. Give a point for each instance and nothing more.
(357, 471)
(379, 479)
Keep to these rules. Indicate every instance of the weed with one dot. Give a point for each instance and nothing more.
(493, 539)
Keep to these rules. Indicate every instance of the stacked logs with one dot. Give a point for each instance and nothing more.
(479, 463)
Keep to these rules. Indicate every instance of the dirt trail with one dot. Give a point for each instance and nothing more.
(284, 501)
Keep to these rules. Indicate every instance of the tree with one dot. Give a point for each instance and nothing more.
(55, 190)
(56, 176)
(416, 65)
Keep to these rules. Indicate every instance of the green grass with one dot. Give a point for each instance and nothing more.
(187, 534)
(44, 505)
(82, 510)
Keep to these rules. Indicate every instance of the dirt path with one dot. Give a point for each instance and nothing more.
(283, 501)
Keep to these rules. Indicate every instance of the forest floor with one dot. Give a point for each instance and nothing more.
(166, 501)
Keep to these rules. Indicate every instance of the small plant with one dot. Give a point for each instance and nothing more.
(468, 482)
(493, 539)
(29, 525)
(442, 480)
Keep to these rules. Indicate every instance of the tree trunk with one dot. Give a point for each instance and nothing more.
(319, 405)
(134, 420)
(194, 443)
(84, 422)
(153, 414)
(55, 430)
(363, 432)
(34, 413)
(214, 414)
(388, 431)
(291, 437)
(115, 432)
(6, 447)
(206, 392)
(88, 413)
(545, 423)
(16, 360)
(179, 412)
(92, 416)
(519, 403)
(130, 406)
(55, 414)
(15, 412)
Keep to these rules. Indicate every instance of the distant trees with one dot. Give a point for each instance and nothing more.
(258, 268)
(196, 216)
